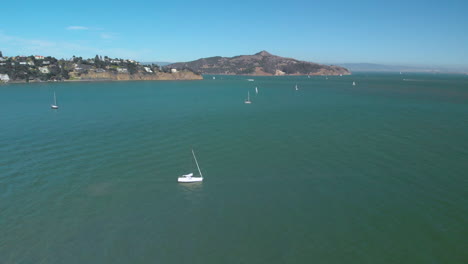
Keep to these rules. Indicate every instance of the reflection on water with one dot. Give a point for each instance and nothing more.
(191, 191)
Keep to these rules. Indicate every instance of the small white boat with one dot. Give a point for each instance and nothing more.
(297, 89)
(214, 78)
(308, 76)
(250, 80)
(247, 101)
(354, 84)
(186, 178)
(341, 75)
(54, 105)
(256, 90)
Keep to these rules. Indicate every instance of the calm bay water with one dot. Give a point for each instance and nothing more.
(332, 173)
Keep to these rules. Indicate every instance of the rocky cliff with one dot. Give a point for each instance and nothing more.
(109, 76)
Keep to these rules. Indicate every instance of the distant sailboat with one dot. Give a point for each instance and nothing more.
(354, 84)
(54, 106)
(297, 89)
(247, 101)
(250, 80)
(256, 90)
(189, 177)
(214, 78)
(308, 76)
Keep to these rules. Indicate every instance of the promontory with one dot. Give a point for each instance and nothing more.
(39, 68)
(262, 63)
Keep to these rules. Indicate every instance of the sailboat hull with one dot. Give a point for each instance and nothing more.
(190, 179)
(54, 106)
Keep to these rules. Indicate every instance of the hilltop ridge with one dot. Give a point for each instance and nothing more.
(261, 63)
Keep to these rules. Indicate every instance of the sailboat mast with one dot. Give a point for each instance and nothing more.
(196, 162)
(55, 99)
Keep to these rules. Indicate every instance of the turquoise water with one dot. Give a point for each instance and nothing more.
(375, 173)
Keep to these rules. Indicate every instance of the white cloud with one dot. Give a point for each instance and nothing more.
(77, 28)
(65, 49)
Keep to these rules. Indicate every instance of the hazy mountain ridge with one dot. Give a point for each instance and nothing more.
(262, 63)
(369, 67)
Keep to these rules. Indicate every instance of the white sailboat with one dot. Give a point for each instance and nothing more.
(247, 101)
(189, 177)
(354, 84)
(256, 90)
(214, 78)
(297, 89)
(54, 106)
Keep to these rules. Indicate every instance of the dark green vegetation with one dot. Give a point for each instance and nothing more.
(262, 63)
(40, 68)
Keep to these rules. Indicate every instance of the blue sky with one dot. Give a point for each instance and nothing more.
(409, 32)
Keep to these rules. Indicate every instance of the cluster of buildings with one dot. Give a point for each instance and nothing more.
(77, 65)
(24, 60)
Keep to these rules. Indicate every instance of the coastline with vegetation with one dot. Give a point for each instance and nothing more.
(37, 68)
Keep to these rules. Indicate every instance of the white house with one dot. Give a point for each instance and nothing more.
(4, 77)
(148, 69)
(44, 69)
(45, 62)
(122, 70)
(173, 70)
(38, 57)
(23, 63)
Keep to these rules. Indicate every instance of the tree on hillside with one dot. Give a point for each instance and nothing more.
(1, 55)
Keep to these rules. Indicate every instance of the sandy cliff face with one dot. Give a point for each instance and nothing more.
(109, 76)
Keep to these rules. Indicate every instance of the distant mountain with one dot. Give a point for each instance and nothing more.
(262, 63)
(159, 63)
(372, 67)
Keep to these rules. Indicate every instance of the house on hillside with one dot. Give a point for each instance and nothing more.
(4, 77)
(44, 69)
